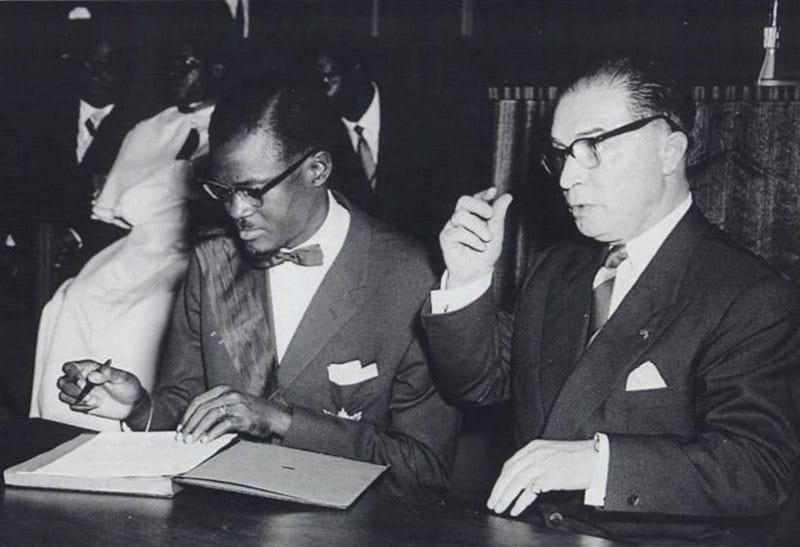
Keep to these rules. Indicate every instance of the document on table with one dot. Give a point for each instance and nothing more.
(283, 473)
(140, 454)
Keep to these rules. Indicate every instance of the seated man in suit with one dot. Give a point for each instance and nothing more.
(300, 323)
(650, 369)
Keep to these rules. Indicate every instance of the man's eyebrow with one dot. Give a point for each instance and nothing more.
(581, 135)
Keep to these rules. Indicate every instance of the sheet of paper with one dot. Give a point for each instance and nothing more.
(119, 454)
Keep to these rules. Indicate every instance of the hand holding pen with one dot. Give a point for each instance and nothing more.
(99, 389)
(87, 388)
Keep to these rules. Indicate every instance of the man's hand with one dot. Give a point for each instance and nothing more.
(542, 466)
(472, 239)
(115, 394)
(222, 409)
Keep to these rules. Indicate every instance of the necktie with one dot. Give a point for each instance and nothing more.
(367, 161)
(189, 145)
(90, 126)
(304, 256)
(601, 294)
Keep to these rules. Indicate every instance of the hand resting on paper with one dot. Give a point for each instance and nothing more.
(222, 409)
(115, 394)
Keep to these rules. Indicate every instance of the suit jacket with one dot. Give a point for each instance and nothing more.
(367, 309)
(420, 171)
(53, 132)
(719, 442)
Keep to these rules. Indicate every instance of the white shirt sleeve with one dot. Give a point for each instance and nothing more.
(450, 300)
(596, 493)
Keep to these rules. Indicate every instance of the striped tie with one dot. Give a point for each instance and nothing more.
(604, 286)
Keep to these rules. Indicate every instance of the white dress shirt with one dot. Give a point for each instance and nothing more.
(293, 286)
(88, 112)
(641, 250)
(371, 122)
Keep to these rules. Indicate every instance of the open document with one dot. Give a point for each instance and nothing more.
(155, 464)
(278, 472)
(125, 463)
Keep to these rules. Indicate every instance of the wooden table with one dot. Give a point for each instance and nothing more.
(200, 517)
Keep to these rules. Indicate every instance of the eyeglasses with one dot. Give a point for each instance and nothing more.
(252, 196)
(584, 150)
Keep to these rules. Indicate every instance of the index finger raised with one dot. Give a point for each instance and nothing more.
(475, 205)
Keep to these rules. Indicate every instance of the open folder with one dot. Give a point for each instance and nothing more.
(154, 464)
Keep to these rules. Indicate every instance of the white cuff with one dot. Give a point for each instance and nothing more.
(596, 493)
(450, 300)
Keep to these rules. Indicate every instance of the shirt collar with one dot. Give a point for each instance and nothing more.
(371, 116)
(86, 111)
(642, 248)
(331, 234)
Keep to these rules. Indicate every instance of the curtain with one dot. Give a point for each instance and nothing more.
(744, 168)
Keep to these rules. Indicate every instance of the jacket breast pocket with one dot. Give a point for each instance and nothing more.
(354, 397)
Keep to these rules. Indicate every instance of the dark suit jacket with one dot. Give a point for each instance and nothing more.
(421, 170)
(366, 308)
(55, 170)
(721, 441)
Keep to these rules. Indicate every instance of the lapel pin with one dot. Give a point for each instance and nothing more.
(644, 333)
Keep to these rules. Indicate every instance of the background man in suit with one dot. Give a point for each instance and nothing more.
(395, 156)
(650, 374)
(80, 135)
(300, 327)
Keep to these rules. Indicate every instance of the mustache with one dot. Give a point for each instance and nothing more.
(244, 225)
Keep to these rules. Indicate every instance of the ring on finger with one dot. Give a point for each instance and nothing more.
(224, 410)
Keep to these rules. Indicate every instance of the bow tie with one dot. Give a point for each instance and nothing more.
(304, 256)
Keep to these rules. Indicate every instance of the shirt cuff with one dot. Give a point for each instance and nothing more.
(450, 300)
(596, 493)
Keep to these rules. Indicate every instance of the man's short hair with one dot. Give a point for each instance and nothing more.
(651, 89)
(292, 110)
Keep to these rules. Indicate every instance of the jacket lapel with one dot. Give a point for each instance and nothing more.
(566, 324)
(645, 313)
(339, 295)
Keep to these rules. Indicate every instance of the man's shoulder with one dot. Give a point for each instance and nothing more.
(393, 252)
(724, 265)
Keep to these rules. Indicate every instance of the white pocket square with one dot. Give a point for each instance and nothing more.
(347, 374)
(645, 376)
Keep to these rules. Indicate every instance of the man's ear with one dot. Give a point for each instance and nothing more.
(321, 167)
(673, 151)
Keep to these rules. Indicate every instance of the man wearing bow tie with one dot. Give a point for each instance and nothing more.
(299, 323)
(651, 370)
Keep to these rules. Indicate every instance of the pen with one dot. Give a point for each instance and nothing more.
(89, 385)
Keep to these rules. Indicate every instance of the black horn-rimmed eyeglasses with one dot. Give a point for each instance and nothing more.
(584, 150)
(253, 196)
